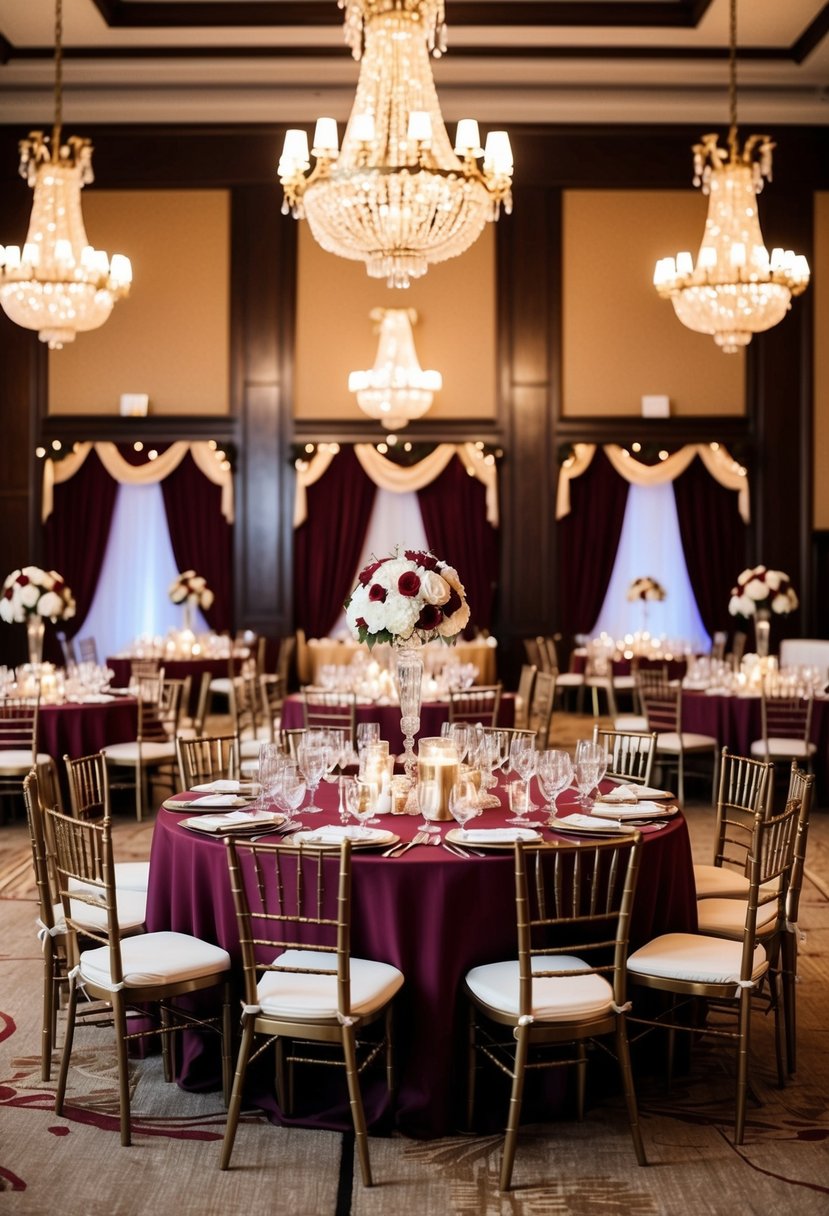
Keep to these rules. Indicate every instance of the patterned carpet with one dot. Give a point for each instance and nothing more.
(74, 1164)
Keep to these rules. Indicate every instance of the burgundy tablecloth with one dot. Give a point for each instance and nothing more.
(429, 913)
(79, 730)
(432, 716)
(174, 669)
(621, 667)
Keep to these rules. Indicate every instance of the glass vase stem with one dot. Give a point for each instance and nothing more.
(409, 686)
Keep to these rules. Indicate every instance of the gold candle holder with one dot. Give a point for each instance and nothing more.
(438, 762)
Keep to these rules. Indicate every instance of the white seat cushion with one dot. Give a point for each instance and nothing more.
(287, 994)
(127, 753)
(129, 876)
(569, 679)
(631, 722)
(719, 882)
(250, 747)
(624, 683)
(250, 767)
(131, 905)
(566, 998)
(789, 749)
(669, 742)
(221, 684)
(156, 958)
(694, 958)
(728, 916)
(20, 759)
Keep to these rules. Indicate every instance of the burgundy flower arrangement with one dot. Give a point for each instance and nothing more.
(409, 599)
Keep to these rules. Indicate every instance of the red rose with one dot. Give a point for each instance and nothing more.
(361, 622)
(22, 579)
(430, 617)
(425, 560)
(409, 583)
(365, 576)
(377, 593)
(8, 593)
(452, 604)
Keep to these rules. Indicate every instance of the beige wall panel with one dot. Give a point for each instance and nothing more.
(820, 287)
(170, 337)
(454, 334)
(620, 340)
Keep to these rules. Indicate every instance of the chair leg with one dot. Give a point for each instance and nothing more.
(119, 1014)
(522, 1035)
(623, 1056)
(248, 1024)
(166, 1036)
(71, 1010)
(742, 1064)
(355, 1100)
(788, 968)
(581, 1079)
(47, 1029)
(281, 1092)
(227, 1041)
(391, 1079)
(471, 1067)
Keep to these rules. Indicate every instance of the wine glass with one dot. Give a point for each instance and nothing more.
(523, 759)
(289, 790)
(270, 762)
(428, 800)
(312, 757)
(517, 793)
(463, 734)
(554, 772)
(358, 803)
(463, 802)
(367, 732)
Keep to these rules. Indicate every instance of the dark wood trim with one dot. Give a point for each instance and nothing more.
(820, 582)
(6, 49)
(671, 432)
(169, 14)
(155, 428)
(812, 36)
(461, 430)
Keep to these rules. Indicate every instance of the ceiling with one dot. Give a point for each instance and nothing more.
(550, 61)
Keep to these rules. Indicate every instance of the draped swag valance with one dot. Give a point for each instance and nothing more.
(717, 460)
(149, 473)
(399, 479)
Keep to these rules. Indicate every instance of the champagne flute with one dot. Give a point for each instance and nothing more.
(554, 772)
(463, 802)
(523, 758)
(367, 732)
(312, 759)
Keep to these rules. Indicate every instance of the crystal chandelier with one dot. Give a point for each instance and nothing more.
(735, 290)
(58, 284)
(396, 390)
(396, 196)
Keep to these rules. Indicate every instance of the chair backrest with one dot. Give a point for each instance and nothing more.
(549, 653)
(574, 899)
(207, 758)
(663, 709)
(45, 874)
(744, 792)
(801, 788)
(478, 704)
(271, 699)
(323, 709)
(290, 898)
(145, 669)
(18, 725)
(532, 650)
(67, 648)
(287, 648)
(524, 693)
(631, 754)
(86, 877)
(652, 680)
(244, 706)
(540, 717)
(786, 718)
(197, 721)
(158, 717)
(88, 779)
(88, 650)
(290, 740)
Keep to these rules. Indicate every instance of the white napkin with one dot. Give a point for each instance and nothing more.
(241, 817)
(591, 822)
(95, 698)
(498, 835)
(336, 835)
(622, 793)
(222, 786)
(215, 800)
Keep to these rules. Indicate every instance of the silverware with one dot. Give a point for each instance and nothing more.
(398, 850)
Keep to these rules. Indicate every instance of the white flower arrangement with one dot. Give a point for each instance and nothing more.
(35, 592)
(646, 589)
(191, 588)
(413, 598)
(759, 588)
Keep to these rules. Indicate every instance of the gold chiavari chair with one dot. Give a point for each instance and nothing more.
(727, 974)
(524, 693)
(209, 758)
(673, 744)
(318, 995)
(744, 791)
(631, 754)
(567, 985)
(540, 719)
(272, 697)
(128, 973)
(19, 751)
(326, 710)
(89, 798)
(290, 740)
(801, 787)
(248, 724)
(478, 704)
(153, 752)
(786, 724)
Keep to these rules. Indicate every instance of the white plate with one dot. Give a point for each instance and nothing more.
(585, 825)
(642, 810)
(207, 803)
(330, 837)
(491, 838)
(642, 791)
(230, 825)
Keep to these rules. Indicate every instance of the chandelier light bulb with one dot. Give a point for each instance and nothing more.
(396, 195)
(59, 285)
(396, 390)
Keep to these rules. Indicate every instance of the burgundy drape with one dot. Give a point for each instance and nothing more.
(588, 541)
(202, 538)
(713, 540)
(327, 546)
(453, 507)
(76, 534)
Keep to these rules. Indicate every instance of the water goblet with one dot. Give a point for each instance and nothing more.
(358, 803)
(289, 790)
(523, 759)
(554, 772)
(586, 774)
(517, 794)
(463, 802)
(312, 759)
(428, 801)
(367, 732)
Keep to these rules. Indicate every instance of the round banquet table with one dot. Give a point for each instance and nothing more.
(432, 716)
(174, 669)
(430, 913)
(321, 652)
(81, 728)
(677, 666)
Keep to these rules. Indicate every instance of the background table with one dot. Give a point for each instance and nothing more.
(78, 729)
(432, 716)
(429, 913)
(321, 651)
(174, 669)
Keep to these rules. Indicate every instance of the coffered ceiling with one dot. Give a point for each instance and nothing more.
(552, 61)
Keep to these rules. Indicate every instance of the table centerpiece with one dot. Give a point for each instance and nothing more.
(758, 593)
(190, 590)
(29, 595)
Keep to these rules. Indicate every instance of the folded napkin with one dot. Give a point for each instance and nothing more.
(622, 793)
(498, 835)
(95, 698)
(590, 823)
(336, 835)
(235, 820)
(220, 787)
(216, 800)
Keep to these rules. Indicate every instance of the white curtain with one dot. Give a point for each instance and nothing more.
(395, 521)
(651, 546)
(131, 598)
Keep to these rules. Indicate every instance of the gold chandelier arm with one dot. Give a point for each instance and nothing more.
(56, 130)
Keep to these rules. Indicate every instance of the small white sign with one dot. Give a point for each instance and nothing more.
(656, 407)
(134, 405)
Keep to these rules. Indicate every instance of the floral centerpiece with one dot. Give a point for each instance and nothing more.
(760, 589)
(407, 601)
(191, 590)
(646, 589)
(30, 595)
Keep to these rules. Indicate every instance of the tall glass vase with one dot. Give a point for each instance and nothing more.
(409, 686)
(188, 617)
(35, 630)
(762, 629)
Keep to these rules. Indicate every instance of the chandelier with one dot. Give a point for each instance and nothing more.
(58, 284)
(396, 390)
(735, 290)
(396, 195)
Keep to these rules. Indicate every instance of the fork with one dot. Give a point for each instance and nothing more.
(398, 850)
